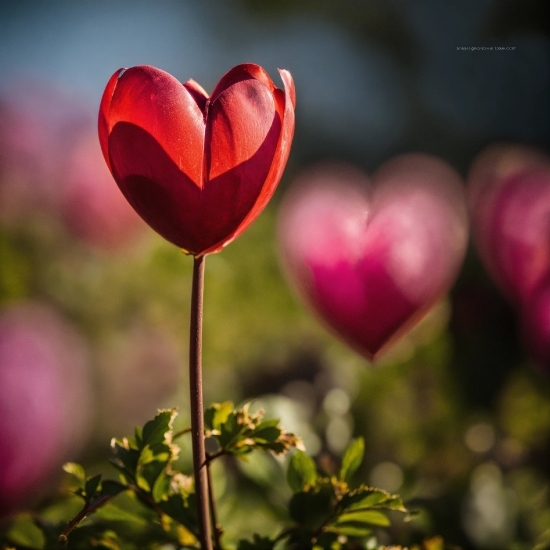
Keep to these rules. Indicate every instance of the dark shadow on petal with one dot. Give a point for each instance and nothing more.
(171, 203)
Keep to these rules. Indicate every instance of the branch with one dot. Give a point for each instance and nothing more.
(87, 509)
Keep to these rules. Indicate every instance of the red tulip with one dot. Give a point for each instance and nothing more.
(197, 169)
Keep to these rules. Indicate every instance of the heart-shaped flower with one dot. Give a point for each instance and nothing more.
(371, 259)
(509, 200)
(45, 401)
(197, 169)
(535, 325)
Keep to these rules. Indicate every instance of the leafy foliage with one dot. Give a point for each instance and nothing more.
(238, 431)
(152, 504)
(302, 472)
(352, 459)
(327, 511)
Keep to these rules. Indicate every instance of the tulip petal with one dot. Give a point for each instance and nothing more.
(164, 196)
(242, 133)
(289, 85)
(198, 93)
(245, 71)
(239, 122)
(156, 102)
(284, 103)
(104, 115)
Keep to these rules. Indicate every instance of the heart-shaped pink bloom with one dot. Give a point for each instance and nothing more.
(371, 259)
(535, 325)
(509, 200)
(45, 401)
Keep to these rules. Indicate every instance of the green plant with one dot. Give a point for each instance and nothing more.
(152, 504)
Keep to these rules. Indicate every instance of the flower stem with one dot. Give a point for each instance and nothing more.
(218, 530)
(197, 412)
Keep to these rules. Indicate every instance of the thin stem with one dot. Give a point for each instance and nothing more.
(217, 454)
(218, 530)
(181, 432)
(197, 413)
(87, 509)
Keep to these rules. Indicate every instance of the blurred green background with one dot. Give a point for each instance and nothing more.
(455, 416)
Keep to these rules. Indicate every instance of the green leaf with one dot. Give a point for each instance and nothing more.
(148, 475)
(111, 487)
(230, 429)
(239, 431)
(76, 470)
(371, 517)
(91, 485)
(156, 431)
(111, 512)
(271, 423)
(312, 508)
(138, 434)
(159, 452)
(302, 472)
(269, 434)
(153, 460)
(368, 497)
(161, 487)
(350, 530)
(394, 503)
(364, 497)
(126, 455)
(352, 458)
(209, 417)
(217, 414)
(24, 532)
(181, 509)
(125, 477)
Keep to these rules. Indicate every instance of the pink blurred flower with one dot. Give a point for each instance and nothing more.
(372, 259)
(535, 326)
(51, 163)
(93, 208)
(509, 200)
(37, 127)
(45, 401)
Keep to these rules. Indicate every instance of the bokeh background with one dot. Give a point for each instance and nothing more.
(456, 417)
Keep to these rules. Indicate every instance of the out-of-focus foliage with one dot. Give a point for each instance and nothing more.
(326, 512)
